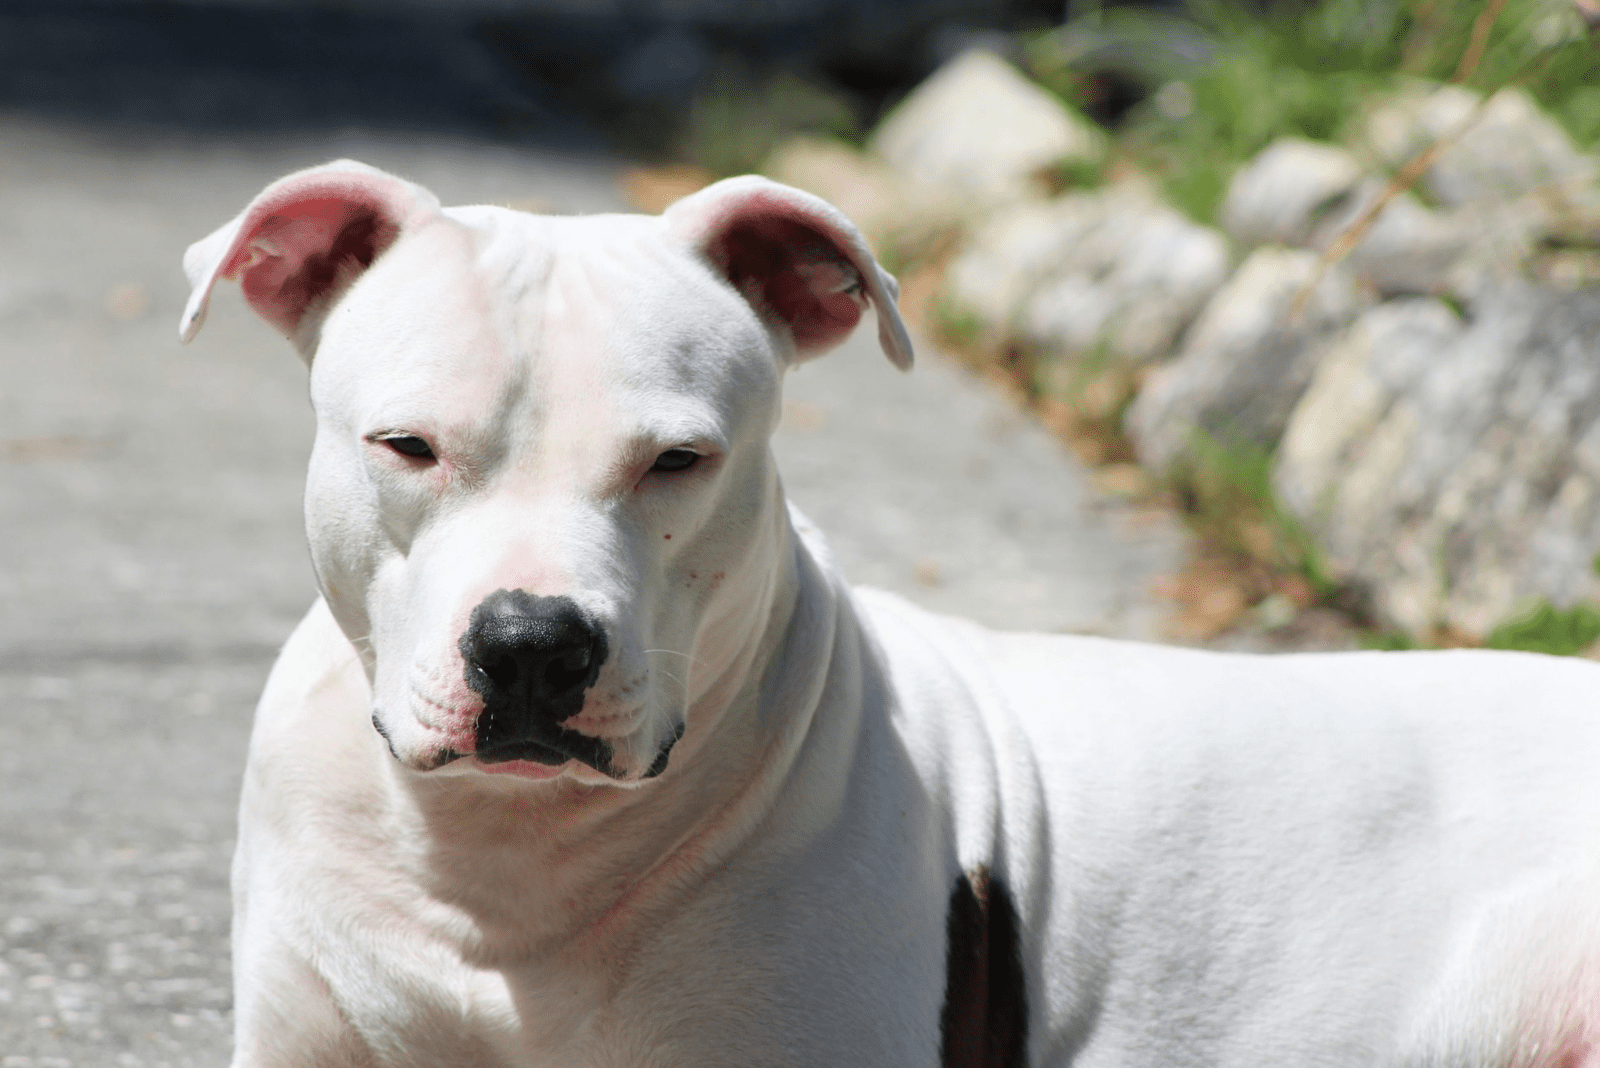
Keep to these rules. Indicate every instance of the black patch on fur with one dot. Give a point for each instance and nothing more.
(985, 1019)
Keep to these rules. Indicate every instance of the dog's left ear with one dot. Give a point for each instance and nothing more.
(795, 258)
(301, 242)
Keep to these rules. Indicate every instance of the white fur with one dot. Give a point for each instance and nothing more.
(1384, 859)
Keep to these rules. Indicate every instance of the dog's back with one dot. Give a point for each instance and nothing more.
(1369, 858)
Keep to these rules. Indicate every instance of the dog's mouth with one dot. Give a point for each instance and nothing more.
(556, 749)
(524, 752)
(536, 752)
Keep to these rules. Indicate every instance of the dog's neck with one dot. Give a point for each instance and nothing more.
(587, 865)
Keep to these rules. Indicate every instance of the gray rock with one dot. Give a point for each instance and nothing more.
(980, 133)
(1511, 182)
(903, 222)
(1136, 276)
(1512, 149)
(1307, 195)
(1454, 468)
(1246, 360)
(1281, 195)
(1116, 266)
(1412, 249)
(1010, 255)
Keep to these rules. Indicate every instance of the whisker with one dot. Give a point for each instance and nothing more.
(695, 661)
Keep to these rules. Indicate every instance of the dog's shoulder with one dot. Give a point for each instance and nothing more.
(317, 689)
(317, 667)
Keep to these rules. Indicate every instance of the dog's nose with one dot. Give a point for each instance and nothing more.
(531, 658)
(530, 650)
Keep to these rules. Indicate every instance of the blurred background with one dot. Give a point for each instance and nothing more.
(1262, 326)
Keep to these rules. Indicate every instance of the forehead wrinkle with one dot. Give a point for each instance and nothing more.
(570, 359)
(688, 336)
(514, 265)
(433, 364)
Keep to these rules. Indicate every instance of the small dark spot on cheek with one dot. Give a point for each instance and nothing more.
(668, 537)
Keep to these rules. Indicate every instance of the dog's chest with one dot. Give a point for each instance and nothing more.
(830, 952)
(708, 994)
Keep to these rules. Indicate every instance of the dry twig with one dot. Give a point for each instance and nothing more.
(1404, 179)
(1408, 175)
(1480, 41)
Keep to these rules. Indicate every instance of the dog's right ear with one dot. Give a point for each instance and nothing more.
(301, 242)
(796, 258)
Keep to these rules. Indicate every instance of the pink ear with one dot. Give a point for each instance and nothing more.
(302, 240)
(795, 258)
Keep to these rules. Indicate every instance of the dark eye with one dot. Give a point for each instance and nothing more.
(675, 460)
(410, 445)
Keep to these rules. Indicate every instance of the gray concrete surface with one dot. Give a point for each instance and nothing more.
(936, 486)
(153, 557)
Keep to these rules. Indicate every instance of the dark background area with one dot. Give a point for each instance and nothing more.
(587, 74)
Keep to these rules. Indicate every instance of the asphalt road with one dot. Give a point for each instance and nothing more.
(150, 517)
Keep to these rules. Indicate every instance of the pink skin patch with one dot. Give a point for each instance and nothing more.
(775, 256)
(1570, 1035)
(442, 702)
(1587, 1057)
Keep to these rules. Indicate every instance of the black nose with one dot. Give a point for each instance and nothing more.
(531, 658)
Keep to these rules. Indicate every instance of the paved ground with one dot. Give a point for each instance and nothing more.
(149, 509)
(935, 486)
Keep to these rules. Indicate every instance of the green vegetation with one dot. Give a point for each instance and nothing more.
(1388, 641)
(735, 125)
(1544, 628)
(1076, 174)
(958, 325)
(1226, 78)
(1226, 489)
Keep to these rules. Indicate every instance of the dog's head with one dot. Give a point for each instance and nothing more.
(541, 501)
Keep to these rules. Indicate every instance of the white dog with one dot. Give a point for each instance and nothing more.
(650, 786)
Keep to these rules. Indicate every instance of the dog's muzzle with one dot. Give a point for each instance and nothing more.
(531, 659)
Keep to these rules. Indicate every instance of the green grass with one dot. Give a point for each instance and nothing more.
(960, 326)
(1226, 487)
(1076, 174)
(1388, 641)
(734, 126)
(1544, 628)
(1257, 72)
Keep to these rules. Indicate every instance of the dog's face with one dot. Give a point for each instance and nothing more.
(541, 501)
(541, 489)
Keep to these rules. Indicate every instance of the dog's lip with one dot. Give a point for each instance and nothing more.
(523, 769)
(528, 751)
